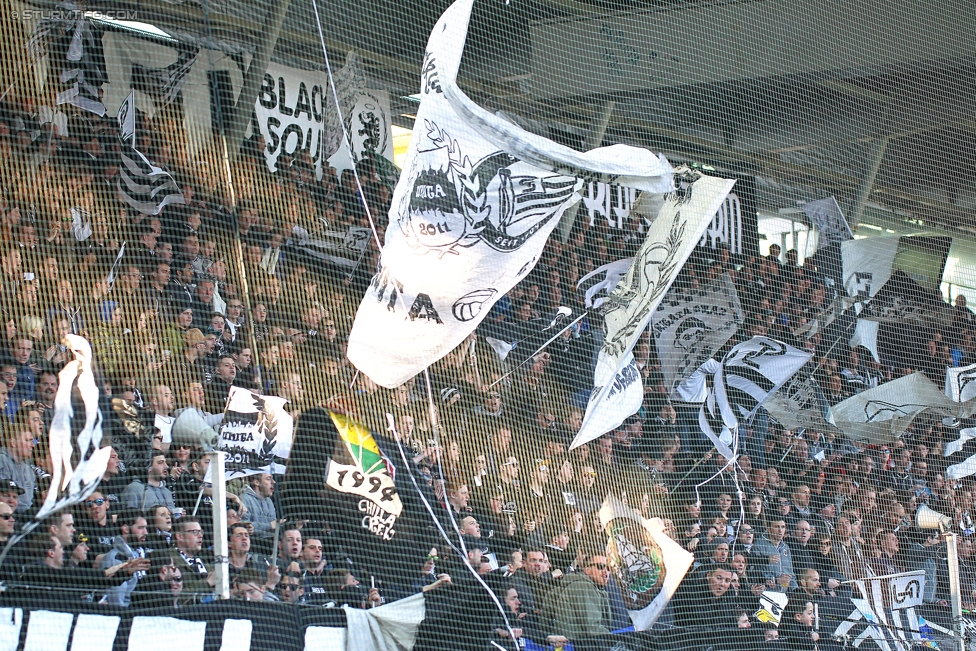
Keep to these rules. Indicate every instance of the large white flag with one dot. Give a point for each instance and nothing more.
(689, 327)
(647, 564)
(883, 414)
(628, 309)
(471, 213)
(256, 434)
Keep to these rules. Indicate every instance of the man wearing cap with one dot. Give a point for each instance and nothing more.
(10, 493)
(10, 567)
(15, 464)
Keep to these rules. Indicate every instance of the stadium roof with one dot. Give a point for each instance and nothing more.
(870, 102)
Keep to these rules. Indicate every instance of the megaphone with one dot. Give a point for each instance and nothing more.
(191, 429)
(926, 518)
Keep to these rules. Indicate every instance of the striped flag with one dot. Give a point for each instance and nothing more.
(960, 455)
(165, 84)
(143, 186)
(717, 418)
(750, 373)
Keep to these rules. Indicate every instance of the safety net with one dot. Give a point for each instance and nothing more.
(487, 324)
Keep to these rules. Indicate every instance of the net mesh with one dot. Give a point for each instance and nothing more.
(196, 199)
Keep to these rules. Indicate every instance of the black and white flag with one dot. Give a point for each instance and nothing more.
(165, 84)
(143, 186)
(960, 455)
(751, 372)
(884, 614)
(596, 285)
(902, 300)
(628, 309)
(871, 262)
(717, 418)
(256, 434)
(960, 383)
(800, 404)
(470, 216)
(82, 68)
(884, 413)
(756, 369)
(689, 327)
(78, 460)
(829, 220)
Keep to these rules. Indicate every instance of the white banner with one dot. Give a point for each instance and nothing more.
(647, 564)
(471, 214)
(627, 311)
(296, 111)
(689, 327)
(255, 434)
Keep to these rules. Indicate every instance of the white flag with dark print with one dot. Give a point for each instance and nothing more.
(596, 285)
(470, 216)
(255, 435)
(716, 417)
(628, 309)
(690, 326)
(829, 220)
(646, 563)
(960, 455)
(751, 372)
(624, 396)
(960, 383)
(78, 459)
(756, 369)
(883, 414)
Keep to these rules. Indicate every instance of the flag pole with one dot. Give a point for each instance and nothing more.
(221, 560)
(955, 596)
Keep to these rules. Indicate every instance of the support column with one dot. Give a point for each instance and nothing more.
(236, 125)
(867, 183)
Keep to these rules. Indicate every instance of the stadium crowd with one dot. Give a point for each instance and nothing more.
(183, 305)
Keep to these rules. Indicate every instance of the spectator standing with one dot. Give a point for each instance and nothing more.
(15, 464)
(130, 545)
(256, 497)
(144, 496)
(581, 606)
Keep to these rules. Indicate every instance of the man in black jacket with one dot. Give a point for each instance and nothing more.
(705, 601)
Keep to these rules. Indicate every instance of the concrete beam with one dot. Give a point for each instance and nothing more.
(714, 43)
